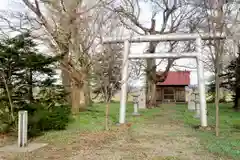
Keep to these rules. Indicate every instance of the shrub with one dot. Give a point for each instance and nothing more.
(222, 100)
(56, 118)
(236, 124)
(7, 121)
(45, 119)
(51, 111)
(40, 118)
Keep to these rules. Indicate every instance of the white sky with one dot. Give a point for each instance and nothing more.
(4, 4)
(145, 18)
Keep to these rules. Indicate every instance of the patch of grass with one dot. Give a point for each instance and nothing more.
(228, 143)
(93, 121)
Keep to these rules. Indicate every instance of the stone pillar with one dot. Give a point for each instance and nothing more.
(135, 105)
(197, 114)
(191, 101)
(197, 105)
(142, 99)
(22, 128)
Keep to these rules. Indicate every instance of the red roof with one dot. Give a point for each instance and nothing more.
(177, 78)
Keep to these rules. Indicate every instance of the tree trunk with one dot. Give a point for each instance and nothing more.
(9, 94)
(151, 85)
(153, 101)
(217, 97)
(151, 94)
(237, 83)
(237, 100)
(218, 27)
(151, 71)
(84, 90)
(81, 99)
(78, 93)
(66, 79)
(107, 116)
(30, 86)
(146, 88)
(87, 93)
(75, 95)
(153, 97)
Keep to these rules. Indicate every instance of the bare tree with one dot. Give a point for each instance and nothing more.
(171, 15)
(71, 29)
(219, 51)
(209, 24)
(216, 18)
(106, 71)
(107, 74)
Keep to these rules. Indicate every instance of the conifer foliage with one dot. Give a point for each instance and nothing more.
(27, 83)
(231, 80)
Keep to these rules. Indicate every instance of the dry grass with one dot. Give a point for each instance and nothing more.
(157, 138)
(72, 145)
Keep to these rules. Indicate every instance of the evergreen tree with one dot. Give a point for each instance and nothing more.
(237, 81)
(23, 69)
(231, 80)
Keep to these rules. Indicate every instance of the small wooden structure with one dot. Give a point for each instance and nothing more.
(173, 89)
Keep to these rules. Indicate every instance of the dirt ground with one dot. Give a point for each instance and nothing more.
(156, 139)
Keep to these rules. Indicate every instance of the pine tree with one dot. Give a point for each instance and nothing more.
(24, 68)
(232, 80)
(237, 82)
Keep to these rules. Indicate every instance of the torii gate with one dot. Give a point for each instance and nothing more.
(158, 38)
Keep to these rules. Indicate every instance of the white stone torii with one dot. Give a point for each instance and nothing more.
(158, 38)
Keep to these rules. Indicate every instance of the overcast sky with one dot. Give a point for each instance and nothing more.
(145, 18)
